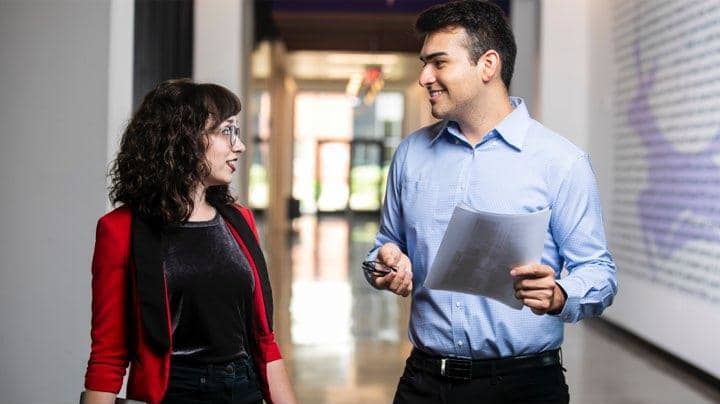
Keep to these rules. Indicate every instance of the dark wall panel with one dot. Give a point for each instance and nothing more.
(163, 43)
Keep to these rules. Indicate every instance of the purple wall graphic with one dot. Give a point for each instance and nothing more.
(678, 183)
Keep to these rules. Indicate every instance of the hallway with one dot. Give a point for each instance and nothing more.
(347, 342)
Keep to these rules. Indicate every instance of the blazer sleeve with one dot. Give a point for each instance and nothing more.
(110, 282)
(269, 349)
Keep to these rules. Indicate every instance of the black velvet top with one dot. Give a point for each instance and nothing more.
(210, 286)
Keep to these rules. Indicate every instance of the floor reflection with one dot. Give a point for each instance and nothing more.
(348, 339)
(347, 342)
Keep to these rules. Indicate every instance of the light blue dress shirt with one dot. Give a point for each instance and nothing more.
(518, 167)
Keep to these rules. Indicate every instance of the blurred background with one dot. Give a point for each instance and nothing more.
(329, 89)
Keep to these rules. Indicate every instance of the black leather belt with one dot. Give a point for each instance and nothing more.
(466, 369)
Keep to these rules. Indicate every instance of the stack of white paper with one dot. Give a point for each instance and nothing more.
(479, 249)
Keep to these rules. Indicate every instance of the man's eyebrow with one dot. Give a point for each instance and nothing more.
(426, 58)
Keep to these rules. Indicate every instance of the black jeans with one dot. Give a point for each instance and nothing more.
(228, 383)
(535, 385)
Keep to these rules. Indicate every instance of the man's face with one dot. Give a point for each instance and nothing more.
(453, 82)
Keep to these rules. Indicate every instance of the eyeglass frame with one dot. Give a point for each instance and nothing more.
(371, 268)
(233, 134)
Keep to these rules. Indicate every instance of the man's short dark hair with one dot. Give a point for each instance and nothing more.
(485, 24)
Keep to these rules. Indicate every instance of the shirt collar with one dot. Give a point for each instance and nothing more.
(512, 128)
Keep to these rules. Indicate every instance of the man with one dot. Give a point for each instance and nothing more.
(489, 153)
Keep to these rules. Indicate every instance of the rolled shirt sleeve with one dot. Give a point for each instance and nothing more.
(577, 227)
(391, 224)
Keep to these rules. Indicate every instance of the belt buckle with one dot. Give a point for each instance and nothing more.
(456, 368)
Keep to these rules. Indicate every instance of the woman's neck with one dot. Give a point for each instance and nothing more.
(202, 210)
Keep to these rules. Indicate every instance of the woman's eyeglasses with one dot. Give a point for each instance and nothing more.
(233, 133)
(377, 268)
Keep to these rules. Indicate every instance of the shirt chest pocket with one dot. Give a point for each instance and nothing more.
(426, 202)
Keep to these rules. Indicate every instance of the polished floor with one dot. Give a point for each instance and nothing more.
(346, 342)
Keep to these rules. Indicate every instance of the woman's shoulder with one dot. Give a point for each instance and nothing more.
(246, 212)
(240, 207)
(119, 216)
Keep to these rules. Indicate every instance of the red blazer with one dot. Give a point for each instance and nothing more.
(130, 309)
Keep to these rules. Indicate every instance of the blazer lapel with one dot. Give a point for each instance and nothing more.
(147, 254)
(240, 225)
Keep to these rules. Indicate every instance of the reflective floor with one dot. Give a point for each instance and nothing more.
(347, 342)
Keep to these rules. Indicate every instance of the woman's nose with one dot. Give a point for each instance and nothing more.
(239, 147)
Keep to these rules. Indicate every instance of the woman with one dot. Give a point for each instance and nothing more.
(180, 288)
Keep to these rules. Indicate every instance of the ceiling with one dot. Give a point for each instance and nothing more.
(338, 39)
(344, 25)
(308, 66)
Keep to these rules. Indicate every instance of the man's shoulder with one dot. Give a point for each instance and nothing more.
(552, 144)
(424, 135)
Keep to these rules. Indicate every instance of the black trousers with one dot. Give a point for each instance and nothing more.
(229, 383)
(534, 385)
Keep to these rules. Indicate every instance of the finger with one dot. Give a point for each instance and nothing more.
(389, 254)
(537, 306)
(383, 282)
(402, 277)
(404, 263)
(540, 294)
(532, 271)
(403, 290)
(406, 287)
(396, 282)
(533, 284)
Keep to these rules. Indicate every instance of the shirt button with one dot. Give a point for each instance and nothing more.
(458, 304)
(459, 343)
(203, 380)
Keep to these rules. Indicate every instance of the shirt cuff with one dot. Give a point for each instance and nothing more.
(372, 256)
(575, 291)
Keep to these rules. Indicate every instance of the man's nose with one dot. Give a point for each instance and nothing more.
(426, 76)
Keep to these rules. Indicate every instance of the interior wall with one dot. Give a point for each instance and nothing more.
(525, 20)
(564, 68)
(62, 70)
(223, 42)
(630, 82)
(666, 221)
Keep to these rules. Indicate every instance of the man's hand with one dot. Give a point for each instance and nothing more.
(535, 286)
(399, 282)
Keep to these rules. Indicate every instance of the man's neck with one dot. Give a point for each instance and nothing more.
(485, 117)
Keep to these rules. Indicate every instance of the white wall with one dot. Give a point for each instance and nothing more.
(564, 68)
(56, 90)
(576, 78)
(666, 232)
(576, 81)
(526, 28)
(590, 92)
(222, 49)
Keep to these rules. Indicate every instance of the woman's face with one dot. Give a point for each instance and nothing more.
(224, 147)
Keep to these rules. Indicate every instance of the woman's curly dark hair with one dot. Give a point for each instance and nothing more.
(162, 152)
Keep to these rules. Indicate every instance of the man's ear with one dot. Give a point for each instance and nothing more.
(489, 65)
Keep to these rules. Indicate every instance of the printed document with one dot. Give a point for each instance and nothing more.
(479, 249)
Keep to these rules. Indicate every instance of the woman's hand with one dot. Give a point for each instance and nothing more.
(97, 397)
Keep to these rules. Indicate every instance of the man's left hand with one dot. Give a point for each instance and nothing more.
(535, 286)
